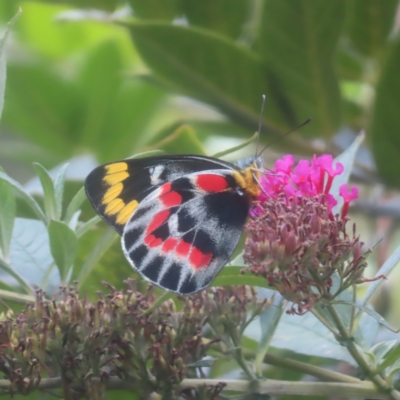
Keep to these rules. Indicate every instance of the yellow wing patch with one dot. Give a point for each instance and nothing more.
(116, 167)
(114, 176)
(112, 193)
(126, 212)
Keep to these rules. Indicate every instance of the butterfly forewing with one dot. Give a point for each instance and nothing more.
(185, 231)
(116, 189)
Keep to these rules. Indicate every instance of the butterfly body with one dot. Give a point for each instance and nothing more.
(180, 217)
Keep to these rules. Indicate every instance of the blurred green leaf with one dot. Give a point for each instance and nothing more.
(224, 16)
(298, 42)
(86, 226)
(28, 199)
(385, 125)
(369, 24)
(7, 216)
(75, 204)
(381, 349)
(269, 320)
(349, 65)
(59, 183)
(92, 258)
(210, 68)
(303, 335)
(43, 107)
(99, 82)
(183, 141)
(232, 276)
(30, 255)
(370, 312)
(236, 148)
(109, 5)
(133, 110)
(347, 159)
(385, 270)
(63, 246)
(155, 9)
(391, 355)
(50, 202)
(17, 277)
(3, 74)
(116, 111)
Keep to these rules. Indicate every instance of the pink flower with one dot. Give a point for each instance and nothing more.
(305, 180)
(347, 197)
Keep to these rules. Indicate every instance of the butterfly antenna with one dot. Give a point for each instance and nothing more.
(283, 136)
(260, 122)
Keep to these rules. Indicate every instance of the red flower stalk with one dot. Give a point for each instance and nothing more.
(294, 240)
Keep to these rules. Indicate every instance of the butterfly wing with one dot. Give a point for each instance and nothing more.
(185, 231)
(117, 189)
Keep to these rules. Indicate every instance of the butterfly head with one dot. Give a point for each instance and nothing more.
(247, 176)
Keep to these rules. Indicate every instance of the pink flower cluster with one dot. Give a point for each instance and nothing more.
(305, 180)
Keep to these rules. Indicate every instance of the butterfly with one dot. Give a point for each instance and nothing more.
(180, 217)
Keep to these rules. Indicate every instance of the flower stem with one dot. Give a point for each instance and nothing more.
(346, 338)
(305, 368)
(271, 386)
(239, 357)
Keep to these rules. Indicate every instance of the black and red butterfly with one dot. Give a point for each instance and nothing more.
(180, 217)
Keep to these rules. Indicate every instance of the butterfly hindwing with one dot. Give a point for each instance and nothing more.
(185, 230)
(116, 189)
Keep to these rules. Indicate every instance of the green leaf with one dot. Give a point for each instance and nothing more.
(50, 202)
(369, 23)
(133, 110)
(183, 141)
(224, 16)
(232, 276)
(63, 246)
(59, 183)
(3, 74)
(349, 65)
(210, 68)
(99, 82)
(75, 204)
(269, 320)
(347, 159)
(17, 277)
(236, 148)
(29, 200)
(164, 297)
(86, 226)
(148, 153)
(381, 349)
(7, 216)
(369, 311)
(385, 126)
(30, 255)
(43, 107)
(101, 247)
(303, 334)
(298, 41)
(385, 270)
(155, 9)
(390, 357)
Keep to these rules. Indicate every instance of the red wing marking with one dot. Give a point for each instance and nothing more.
(152, 241)
(183, 248)
(211, 183)
(157, 221)
(171, 199)
(169, 245)
(198, 259)
(165, 188)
